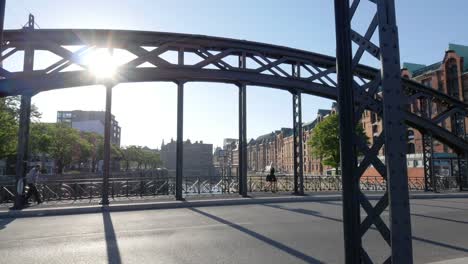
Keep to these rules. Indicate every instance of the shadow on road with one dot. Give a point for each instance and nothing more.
(441, 219)
(5, 221)
(113, 253)
(304, 211)
(415, 238)
(438, 206)
(260, 237)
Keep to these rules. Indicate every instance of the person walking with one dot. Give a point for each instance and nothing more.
(31, 180)
(273, 184)
(271, 179)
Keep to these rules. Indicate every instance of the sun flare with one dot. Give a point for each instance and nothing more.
(102, 64)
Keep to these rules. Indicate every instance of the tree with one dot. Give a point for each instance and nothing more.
(141, 157)
(66, 145)
(40, 141)
(96, 149)
(151, 159)
(8, 128)
(325, 141)
(9, 118)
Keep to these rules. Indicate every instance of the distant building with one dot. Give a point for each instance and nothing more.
(277, 149)
(197, 158)
(449, 76)
(227, 158)
(90, 121)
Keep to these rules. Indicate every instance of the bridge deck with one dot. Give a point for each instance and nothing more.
(272, 233)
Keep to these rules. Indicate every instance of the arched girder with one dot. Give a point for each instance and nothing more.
(270, 66)
(124, 38)
(439, 133)
(40, 83)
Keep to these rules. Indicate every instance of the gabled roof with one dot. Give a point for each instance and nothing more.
(426, 69)
(420, 69)
(287, 132)
(310, 125)
(462, 51)
(323, 112)
(412, 67)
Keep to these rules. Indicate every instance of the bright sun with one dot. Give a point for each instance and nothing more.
(102, 64)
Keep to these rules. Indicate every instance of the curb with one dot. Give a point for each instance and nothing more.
(58, 211)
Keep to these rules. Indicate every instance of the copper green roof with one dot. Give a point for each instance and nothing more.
(419, 69)
(429, 68)
(412, 67)
(462, 51)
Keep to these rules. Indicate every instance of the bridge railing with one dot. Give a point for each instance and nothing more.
(149, 185)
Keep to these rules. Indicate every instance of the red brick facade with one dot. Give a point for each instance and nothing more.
(276, 149)
(449, 76)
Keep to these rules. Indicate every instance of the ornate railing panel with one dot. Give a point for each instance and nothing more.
(163, 185)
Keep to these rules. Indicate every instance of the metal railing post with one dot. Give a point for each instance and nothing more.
(107, 146)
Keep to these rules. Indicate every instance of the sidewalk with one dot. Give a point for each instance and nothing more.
(168, 202)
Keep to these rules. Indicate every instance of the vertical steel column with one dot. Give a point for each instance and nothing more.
(301, 142)
(240, 144)
(107, 146)
(242, 164)
(350, 179)
(25, 120)
(2, 20)
(296, 181)
(464, 171)
(459, 171)
(180, 132)
(244, 135)
(430, 183)
(395, 134)
(180, 141)
(297, 145)
(243, 140)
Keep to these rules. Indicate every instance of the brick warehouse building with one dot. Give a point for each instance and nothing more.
(276, 149)
(198, 158)
(449, 76)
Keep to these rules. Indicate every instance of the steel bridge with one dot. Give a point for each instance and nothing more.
(356, 87)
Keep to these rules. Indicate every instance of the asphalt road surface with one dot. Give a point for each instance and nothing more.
(274, 233)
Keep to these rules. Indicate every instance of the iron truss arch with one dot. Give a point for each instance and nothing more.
(214, 59)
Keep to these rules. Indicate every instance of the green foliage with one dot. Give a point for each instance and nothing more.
(39, 138)
(325, 140)
(8, 127)
(9, 118)
(141, 157)
(68, 146)
(65, 145)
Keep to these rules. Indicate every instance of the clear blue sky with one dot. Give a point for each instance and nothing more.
(426, 28)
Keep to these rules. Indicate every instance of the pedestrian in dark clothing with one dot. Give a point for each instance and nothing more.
(273, 184)
(271, 179)
(31, 180)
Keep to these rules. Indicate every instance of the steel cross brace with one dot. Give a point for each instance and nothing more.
(390, 106)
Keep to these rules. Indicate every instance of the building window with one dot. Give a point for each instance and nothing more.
(452, 78)
(373, 119)
(427, 82)
(410, 134)
(411, 148)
